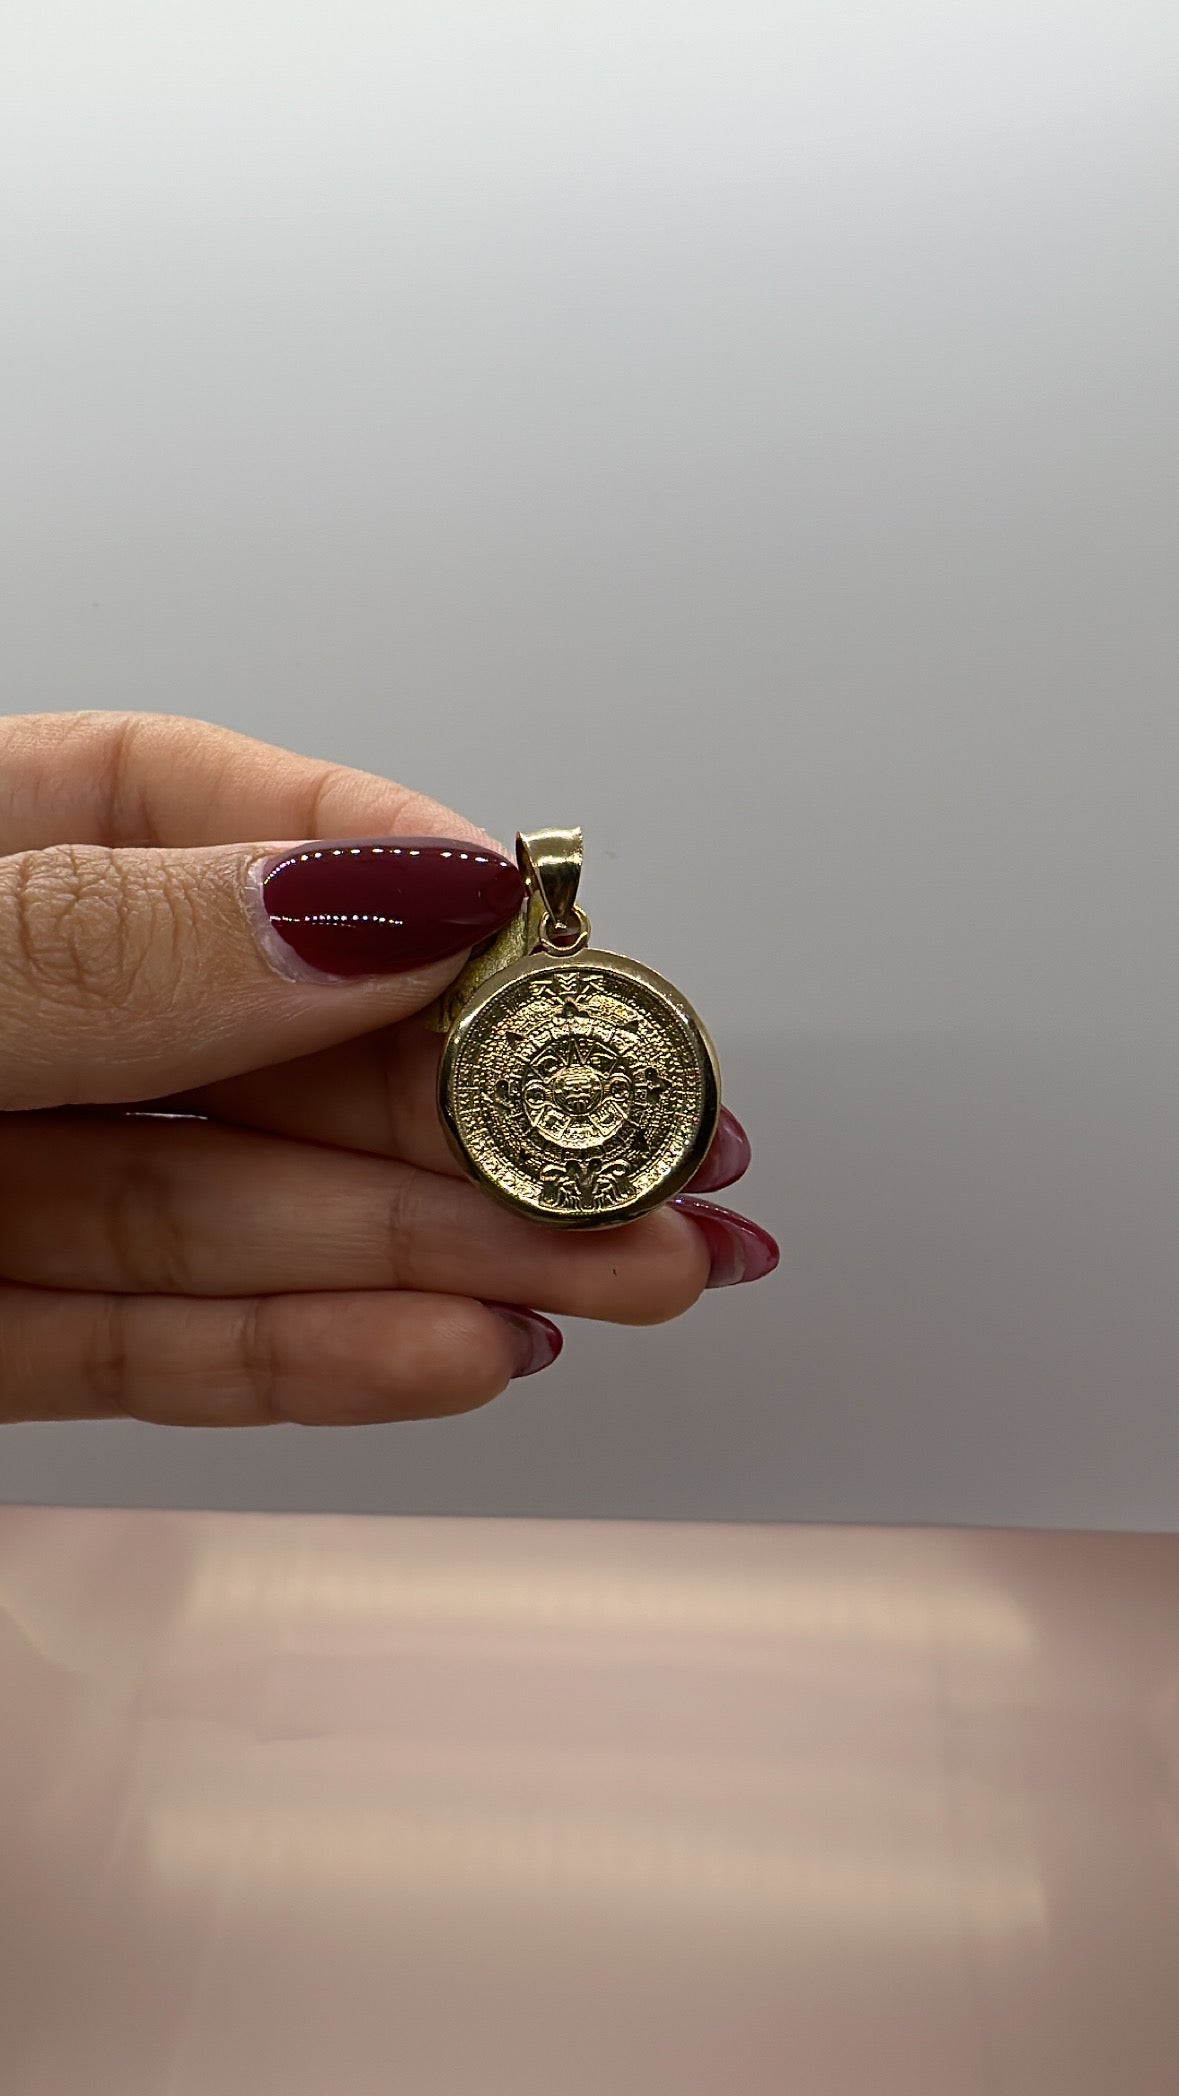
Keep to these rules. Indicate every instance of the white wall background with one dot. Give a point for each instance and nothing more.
(750, 430)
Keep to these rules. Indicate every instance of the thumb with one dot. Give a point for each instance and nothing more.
(126, 974)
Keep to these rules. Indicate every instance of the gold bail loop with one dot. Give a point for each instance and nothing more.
(550, 861)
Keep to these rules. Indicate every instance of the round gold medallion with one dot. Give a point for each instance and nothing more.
(581, 1091)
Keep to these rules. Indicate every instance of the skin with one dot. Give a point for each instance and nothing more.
(307, 1249)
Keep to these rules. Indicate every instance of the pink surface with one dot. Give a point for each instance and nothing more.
(354, 1807)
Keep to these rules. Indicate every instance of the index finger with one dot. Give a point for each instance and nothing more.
(161, 779)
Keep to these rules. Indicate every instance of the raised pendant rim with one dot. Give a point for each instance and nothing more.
(588, 959)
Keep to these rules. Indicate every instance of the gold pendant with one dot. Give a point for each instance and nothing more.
(576, 1087)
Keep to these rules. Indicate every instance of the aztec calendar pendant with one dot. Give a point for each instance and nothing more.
(576, 1087)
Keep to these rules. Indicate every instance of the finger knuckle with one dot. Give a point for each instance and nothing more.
(93, 927)
(68, 923)
(104, 1361)
(269, 1394)
(147, 1247)
(121, 778)
(404, 1226)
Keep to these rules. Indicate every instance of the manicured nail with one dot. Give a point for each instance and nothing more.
(378, 905)
(739, 1250)
(728, 1156)
(535, 1342)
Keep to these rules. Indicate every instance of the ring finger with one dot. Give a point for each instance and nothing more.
(311, 1360)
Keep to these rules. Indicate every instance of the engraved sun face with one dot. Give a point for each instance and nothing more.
(577, 1091)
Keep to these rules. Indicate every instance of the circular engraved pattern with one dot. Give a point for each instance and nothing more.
(577, 1090)
(582, 1091)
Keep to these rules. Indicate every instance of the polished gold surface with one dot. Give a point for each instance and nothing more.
(576, 1086)
(582, 1091)
(551, 862)
(487, 1808)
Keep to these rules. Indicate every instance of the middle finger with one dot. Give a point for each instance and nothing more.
(378, 1093)
(191, 1208)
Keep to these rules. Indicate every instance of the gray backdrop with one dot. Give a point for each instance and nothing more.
(749, 430)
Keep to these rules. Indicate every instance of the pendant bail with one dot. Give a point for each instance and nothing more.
(550, 861)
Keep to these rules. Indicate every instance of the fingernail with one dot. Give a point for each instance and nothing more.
(535, 1342)
(378, 905)
(739, 1250)
(728, 1156)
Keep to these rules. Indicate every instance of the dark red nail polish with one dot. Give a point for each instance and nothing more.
(536, 1342)
(377, 905)
(739, 1250)
(728, 1156)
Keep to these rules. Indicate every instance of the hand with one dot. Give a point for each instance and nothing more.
(227, 1195)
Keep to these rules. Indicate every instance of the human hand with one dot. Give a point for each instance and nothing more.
(228, 1199)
